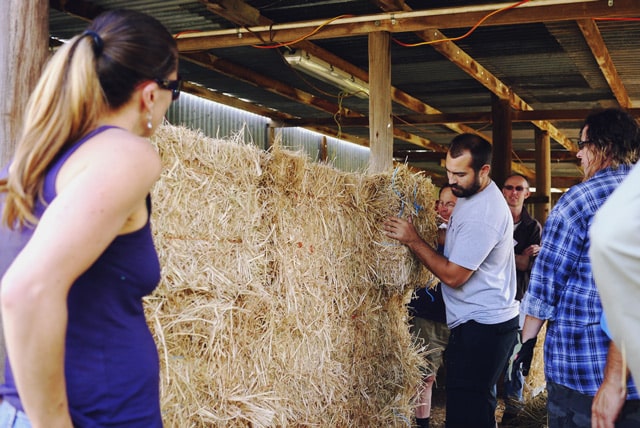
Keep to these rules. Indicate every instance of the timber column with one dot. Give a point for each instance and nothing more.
(380, 124)
(24, 47)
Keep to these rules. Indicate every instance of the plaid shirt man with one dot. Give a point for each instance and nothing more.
(562, 289)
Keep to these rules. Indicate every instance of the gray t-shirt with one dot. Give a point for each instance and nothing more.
(480, 238)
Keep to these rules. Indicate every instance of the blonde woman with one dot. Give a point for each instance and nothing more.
(77, 190)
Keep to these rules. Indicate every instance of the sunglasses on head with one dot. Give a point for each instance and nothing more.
(516, 188)
(171, 85)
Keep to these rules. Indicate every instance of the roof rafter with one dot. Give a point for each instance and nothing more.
(601, 54)
(482, 75)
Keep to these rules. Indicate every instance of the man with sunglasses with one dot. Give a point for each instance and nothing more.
(586, 380)
(526, 241)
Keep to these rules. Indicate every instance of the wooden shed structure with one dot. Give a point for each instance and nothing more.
(522, 74)
(401, 77)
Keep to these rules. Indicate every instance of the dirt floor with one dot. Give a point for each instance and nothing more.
(534, 415)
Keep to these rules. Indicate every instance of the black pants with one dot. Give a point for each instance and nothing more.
(475, 358)
(568, 408)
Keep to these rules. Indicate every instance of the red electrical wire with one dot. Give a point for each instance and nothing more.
(306, 36)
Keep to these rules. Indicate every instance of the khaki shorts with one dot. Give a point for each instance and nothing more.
(435, 336)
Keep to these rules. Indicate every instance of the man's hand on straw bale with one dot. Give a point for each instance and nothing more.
(401, 230)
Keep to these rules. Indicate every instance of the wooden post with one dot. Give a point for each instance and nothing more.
(323, 149)
(543, 174)
(24, 26)
(380, 124)
(502, 140)
(271, 135)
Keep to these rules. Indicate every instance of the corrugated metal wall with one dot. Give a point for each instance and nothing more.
(341, 154)
(220, 121)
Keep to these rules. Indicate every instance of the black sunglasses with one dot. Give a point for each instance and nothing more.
(510, 187)
(172, 85)
(581, 144)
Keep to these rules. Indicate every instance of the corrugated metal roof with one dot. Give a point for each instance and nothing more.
(547, 64)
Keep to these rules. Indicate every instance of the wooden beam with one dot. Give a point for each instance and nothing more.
(556, 156)
(469, 65)
(564, 182)
(218, 97)
(229, 9)
(322, 150)
(543, 175)
(559, 182)
(470, 117)
(80, 8)
(601, 54)
(381, 127)
(502, 140)
(241, 73)
(23, 51)
(445, 18)
(24, 26)
(246, 75)
(560, 115)
(238, 12)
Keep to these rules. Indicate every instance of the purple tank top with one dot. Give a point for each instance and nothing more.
(111, 360)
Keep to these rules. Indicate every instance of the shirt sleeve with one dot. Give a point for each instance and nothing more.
(560, 252)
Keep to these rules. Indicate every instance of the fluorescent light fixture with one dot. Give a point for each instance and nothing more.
(322, 70)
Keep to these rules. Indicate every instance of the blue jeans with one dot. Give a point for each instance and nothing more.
(512, 391)
(10, 417)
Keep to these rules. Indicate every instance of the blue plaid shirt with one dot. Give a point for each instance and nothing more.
(562, 290)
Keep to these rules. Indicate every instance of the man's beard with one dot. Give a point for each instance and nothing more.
(465, 192)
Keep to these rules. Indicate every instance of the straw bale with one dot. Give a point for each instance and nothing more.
(282, 303)
(535, 383)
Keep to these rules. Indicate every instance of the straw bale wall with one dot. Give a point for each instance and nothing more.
(282, 303)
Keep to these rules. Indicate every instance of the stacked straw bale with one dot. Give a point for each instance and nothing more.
(282, 303)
